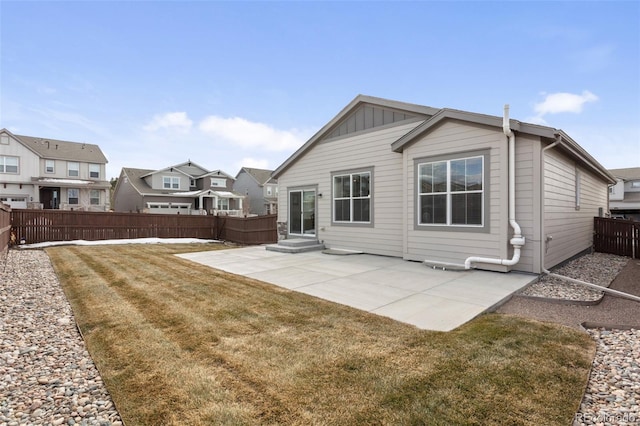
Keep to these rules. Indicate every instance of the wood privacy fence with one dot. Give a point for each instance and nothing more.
(5, 226)
(37, 226)
(615, 236)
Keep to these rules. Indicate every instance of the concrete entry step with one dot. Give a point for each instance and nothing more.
(296, 245)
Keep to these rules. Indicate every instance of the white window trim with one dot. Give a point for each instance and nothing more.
(220, 203)
(69, 196)
(3, 162)
(171, 180)
(69, 169)
(46, 166)
(218, 182)
(92, 198)
(94, 165)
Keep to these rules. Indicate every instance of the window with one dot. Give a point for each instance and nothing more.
(73, 169)
(451, 192)
(578, 188)
(218, 182)
(9, 164)
(171, 182)
(192, 183)
(94, 197)
(352, 197)
(73, 195)
(49, 166)
(223, 204)
(269, 190)
(635, 184)
(94, 171)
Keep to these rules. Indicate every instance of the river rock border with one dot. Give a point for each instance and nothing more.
(46, 374)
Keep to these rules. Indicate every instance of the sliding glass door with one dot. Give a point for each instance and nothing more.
(302, 212)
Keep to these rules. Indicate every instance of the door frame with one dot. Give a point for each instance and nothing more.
(302, 190)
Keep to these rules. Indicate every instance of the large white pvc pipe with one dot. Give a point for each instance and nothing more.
(595, 286)
(518, 240)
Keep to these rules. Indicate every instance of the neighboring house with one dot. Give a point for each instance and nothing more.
(52, 174)
(624, 196)
(427, 184)
(260, 188)
(185, 188)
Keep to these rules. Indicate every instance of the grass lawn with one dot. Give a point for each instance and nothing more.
(180, 343)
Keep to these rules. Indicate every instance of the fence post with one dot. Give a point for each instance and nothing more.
(5, 227)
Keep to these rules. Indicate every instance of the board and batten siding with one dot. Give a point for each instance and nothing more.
(569, 228)
(364, 150)
(451, 138)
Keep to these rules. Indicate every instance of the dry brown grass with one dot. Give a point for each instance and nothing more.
(180, 343)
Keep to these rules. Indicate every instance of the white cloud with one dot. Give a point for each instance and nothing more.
(173, 120)
(564, 102)
(248, 134)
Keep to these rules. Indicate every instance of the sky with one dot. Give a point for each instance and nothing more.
(233, 84)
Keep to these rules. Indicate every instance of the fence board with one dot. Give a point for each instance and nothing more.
(5, 226)
(615, 236)
(62, 225)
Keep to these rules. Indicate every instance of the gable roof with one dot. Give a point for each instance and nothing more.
(217, 173)
(135, 177)
(55, 149)
(566, 143)
(261, 176)
(431, 117)
(629, 173)
(333, 128)
(469, 117)
(180, 169)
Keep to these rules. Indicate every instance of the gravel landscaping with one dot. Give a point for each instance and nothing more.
(47, 376)
(595, 268)
(612, 396)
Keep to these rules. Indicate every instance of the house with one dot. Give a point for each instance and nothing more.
(624, 196)
(260, 188)
(185, 188)
(52, 174)
(447, 187)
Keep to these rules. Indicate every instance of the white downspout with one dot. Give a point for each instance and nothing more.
(517, 241)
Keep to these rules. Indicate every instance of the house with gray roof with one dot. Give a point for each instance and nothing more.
(184, 188)
(624, 196)
(260, 188)
(38, 172)
(451, 188)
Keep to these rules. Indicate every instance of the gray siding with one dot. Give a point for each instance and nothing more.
(126, 198)
(527, 201)
(365, 150)
(155, 180)
(245, 184)
(452, 137)
(571, 229)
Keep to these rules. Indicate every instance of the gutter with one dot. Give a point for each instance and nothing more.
(517, 241)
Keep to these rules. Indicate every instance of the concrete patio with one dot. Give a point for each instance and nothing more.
(406, 291)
